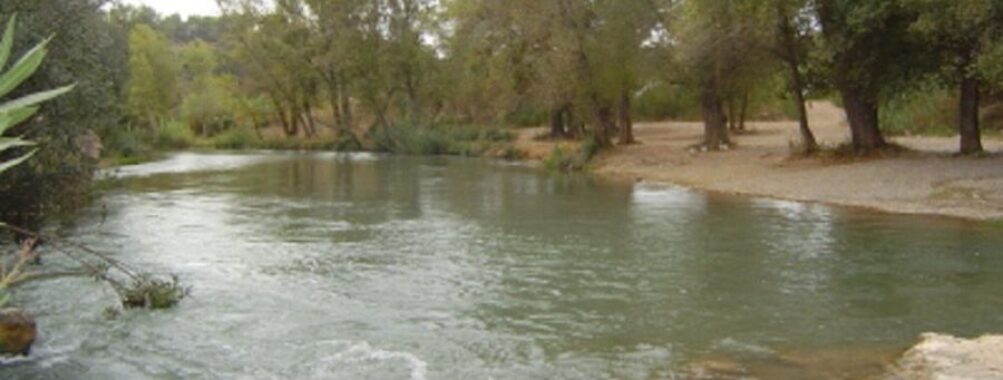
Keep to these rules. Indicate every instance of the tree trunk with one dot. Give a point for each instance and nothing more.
(791, 56)
(971, 135)
(715, 120)
(334, 102)
(310, 124)
(346, 106)
(743, 111)
(731, 116)
(604, 125)
(862, 115)
(294, 122)
(557, 123)
(626, 121)
(808, 141)
(283, 116)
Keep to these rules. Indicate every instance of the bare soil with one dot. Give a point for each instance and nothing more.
(925, 179)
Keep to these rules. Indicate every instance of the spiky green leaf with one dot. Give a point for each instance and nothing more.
(13, 142)
(23, 69)
(15, 117)
(17, 161)
(34, 99)
(7, 43)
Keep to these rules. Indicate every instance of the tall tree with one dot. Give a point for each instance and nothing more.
(153, 75)
(962, 33)
(792, 41)
(716, 46)
(869, 53)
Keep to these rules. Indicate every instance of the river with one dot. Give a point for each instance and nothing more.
(313, 265)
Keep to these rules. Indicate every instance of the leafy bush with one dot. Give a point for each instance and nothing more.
(235, 138)
(174, 134)
(563, 160)
(125, 143)
(528, 116)
(410, 139)
(663, 102)
(147, 292)
(441, 140)
(927, 110)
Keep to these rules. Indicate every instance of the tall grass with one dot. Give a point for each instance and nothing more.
(928, 110)
(440, 140)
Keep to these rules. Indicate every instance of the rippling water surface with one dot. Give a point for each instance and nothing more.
(368, 267)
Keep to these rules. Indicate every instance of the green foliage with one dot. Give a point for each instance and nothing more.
(565, 161)
(84, 49)
(236, 138)
(441, 140)
(153, 76)
(928, 110)
(127, 144)
(174, 134)
(147, 292)
(14, 112)
(658, 101)
(209, 106)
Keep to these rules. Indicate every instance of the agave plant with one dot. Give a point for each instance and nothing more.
(18, 110)
(14, 112)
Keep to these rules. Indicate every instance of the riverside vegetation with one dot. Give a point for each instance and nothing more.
(17, 329)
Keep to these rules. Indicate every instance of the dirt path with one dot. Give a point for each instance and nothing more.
(929, 181)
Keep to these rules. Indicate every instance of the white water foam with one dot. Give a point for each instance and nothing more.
(364, 352)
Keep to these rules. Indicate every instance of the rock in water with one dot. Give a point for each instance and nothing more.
(17, 332)
(944, 357)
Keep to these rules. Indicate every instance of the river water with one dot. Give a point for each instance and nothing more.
(368, 267)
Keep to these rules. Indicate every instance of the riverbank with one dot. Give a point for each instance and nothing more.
(926, 179)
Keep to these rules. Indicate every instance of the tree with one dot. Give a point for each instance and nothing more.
(208, 106)
(869, 53)
(153, 76)
(961, 33)
(716, 47)
(791, 43)
(85, 49)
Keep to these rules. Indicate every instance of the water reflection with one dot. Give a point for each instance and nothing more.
(358, 266)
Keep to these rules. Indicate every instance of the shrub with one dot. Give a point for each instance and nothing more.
(125, 143)
(235, 138)
(927, 110)
(147, 292)
(174, 134)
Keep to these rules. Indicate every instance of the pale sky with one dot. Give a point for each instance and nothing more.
(183, 7)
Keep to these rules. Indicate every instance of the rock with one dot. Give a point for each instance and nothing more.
(17, 332)
(89, 144)
(944, 357)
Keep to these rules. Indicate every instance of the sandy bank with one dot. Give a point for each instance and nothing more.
(927, 181)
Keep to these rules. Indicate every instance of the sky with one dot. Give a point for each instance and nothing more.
(183, 7)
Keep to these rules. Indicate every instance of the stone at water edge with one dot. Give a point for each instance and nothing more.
(17, 332)
(944, 357)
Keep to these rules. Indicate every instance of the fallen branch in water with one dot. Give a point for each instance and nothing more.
(136, 290)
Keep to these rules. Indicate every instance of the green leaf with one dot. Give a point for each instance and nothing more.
(17, 161)
(13, 142)
(34, 99)
(8, 42)
(15, 117)
(23, 69)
